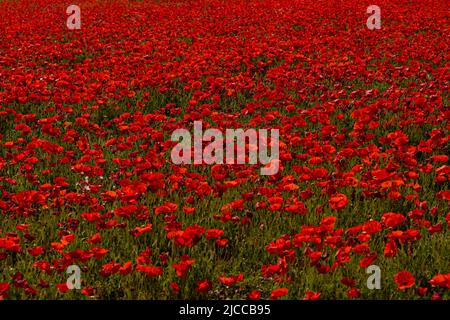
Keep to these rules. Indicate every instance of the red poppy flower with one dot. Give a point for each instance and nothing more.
(203, 286)
(4, 288)
(254, 295)
(353, 293)
(442, 280)
(88, 291)
(214, 233)
(175, 287)
(150, 271)
(310, 295)
(404, 280)
(231, 279)
(62, 288)
(338, 201)
(36, 251)
(392, 220)
(277, 293)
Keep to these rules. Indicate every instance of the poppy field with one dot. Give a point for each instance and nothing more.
(358, 208)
